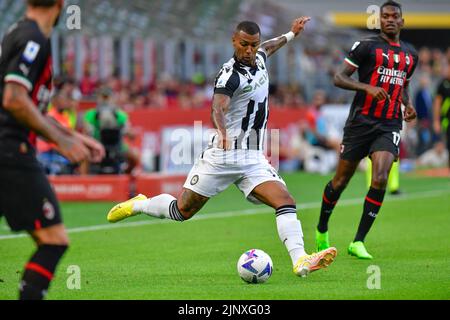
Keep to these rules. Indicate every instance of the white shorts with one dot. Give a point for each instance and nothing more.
(216, 169)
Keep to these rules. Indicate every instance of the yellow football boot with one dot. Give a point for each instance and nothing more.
(315, 261)
(124, 209)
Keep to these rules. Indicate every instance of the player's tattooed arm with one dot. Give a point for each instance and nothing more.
(343, 80)
(220, 106)
(409, 113)
(272, 45)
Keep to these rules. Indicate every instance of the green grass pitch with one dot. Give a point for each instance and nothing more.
(145, 258)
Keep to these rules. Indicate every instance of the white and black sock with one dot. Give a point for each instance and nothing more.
(163, 206)
(290, 231)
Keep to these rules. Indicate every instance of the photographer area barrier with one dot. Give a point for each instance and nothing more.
(114, 187)
(91, 188)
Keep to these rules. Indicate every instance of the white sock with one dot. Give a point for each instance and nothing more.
(161, 206)
(290, 232)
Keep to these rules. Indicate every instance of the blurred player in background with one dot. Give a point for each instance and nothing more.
(441, 112)
(393, 183)
(235, 155)
(26, 198)
(385, 65)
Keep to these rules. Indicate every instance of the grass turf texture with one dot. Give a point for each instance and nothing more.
(197, 259)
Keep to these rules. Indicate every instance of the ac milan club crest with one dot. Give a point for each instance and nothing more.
(48, 210)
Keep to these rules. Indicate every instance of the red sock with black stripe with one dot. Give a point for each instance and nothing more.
(329, 200)
(39, 271)
(372, 205)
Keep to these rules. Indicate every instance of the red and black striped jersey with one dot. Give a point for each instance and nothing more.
(383, 64)
(25, 59)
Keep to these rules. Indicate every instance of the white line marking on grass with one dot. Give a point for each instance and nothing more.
(247, 212)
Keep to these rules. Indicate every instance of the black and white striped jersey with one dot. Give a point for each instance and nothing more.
(248, 88)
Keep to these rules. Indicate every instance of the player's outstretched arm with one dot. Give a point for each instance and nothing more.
(343, 80)
(272, 45)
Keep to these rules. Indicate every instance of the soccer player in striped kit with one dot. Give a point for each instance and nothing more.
(240, 112)
(385, 65)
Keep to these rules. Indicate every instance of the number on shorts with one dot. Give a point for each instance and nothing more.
(396, 138)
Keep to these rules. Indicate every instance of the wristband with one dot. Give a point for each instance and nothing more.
(289, 36)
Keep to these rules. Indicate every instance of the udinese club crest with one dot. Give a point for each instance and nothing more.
(194, 180)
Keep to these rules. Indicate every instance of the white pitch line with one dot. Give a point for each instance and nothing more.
(228, 214)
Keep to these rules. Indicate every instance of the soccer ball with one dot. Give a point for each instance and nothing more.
(255, 266)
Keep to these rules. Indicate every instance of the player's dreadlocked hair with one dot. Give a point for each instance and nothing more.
(41, 3)
(391, 3)
(249, 27)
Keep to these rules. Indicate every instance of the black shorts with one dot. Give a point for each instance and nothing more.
(361, 140)
(27, 199)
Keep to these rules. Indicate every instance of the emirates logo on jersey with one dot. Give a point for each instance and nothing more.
(391, 75)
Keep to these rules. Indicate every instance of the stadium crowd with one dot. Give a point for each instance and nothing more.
(306, 145)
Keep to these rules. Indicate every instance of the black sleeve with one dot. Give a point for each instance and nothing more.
(26, 61)
(227, 81)
(358, 53)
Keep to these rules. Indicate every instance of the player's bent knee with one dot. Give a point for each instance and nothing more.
(339, 184)
(286, 200)
(289, 200)
(55, 235)
(61, 240)
(380, 180)
(53, 240)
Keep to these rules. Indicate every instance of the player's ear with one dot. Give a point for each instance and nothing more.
(403, 23)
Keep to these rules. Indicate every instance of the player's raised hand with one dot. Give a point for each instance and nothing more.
(299, 24)
(409, 114)
(377, 93)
